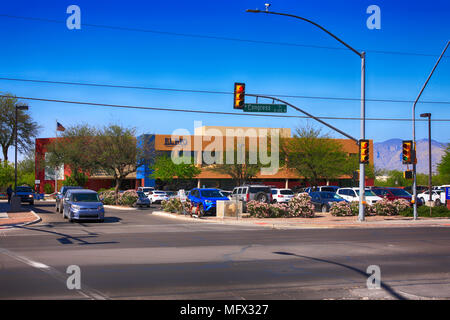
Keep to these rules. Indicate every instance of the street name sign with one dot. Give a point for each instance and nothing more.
(265, 107)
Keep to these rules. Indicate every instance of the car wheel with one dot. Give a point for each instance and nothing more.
(324, 209)
(261, 197)
(32, 203)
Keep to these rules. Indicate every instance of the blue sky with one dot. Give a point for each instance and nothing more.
(49, 51)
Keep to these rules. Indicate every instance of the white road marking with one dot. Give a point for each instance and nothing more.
(62, 277)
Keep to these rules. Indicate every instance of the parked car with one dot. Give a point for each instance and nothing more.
(281, 195)
(322, 200)
(392, 193)
(437, 197)
(157, 196)
(352, 194)
(251, 192)
(143, 200)
(83, 204)
(321, 188)
(26, 194)
(205, 199)
(145, 190)
(60, 197)
(171, 194)
(226, 193)
(419, 189)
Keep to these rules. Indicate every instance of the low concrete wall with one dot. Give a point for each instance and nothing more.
(228, 208)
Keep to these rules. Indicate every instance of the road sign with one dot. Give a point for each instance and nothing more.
(447, 193)
(265, 107)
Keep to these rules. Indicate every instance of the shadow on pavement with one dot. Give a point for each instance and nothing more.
(387, 288)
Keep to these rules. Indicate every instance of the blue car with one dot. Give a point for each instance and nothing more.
(206, 199)
(83, 204)
(26, 194)
(322, 200)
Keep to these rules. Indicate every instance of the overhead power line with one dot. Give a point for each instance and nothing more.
(105, 85)
(202, 36)
(209, 112)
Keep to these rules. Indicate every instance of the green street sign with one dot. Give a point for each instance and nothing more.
(265, 107)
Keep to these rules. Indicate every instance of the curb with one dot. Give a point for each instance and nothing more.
(284, 226)
(38, 219)
(118, 207)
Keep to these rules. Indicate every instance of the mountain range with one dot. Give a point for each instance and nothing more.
(388, 155)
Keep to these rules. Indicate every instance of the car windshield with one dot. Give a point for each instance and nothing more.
(259, 189)
(141, 194)
(24, 189)
(85, 197)
(159, 192)
(146, 189)
(368, 193)
(329, 195)
(330, 189)
(288, 192)
(399, 192)
(211, 193)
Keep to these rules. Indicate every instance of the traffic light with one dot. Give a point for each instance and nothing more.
(363, 151)
(239, 95)
(407, 153)
(408, 174)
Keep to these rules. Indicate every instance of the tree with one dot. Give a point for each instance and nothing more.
(444, 166)
(240, 173)
(27, 129)
(77, 149)
(118, 154)
(26, 170)
(315, 156)
(6, 174)
(166, 170)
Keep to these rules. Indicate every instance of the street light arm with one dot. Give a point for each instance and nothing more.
(423, 88)
(313, 23)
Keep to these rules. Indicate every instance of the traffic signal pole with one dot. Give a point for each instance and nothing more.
(362, 55)
(362, 167)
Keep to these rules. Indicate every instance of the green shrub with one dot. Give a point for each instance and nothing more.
(424, 211)
(48, 188)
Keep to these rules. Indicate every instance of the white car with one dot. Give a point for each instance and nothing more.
(436, 196)
(146, 190)
(281, 195)
(157, 196)
(352, 194)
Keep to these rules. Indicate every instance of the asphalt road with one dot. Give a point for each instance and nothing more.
(137, 255)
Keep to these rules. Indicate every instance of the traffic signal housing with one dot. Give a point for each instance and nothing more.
(408, 174)
(363, 151)
(239, 95)
(407, 152)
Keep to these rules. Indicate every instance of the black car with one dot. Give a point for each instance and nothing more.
(26, 194)
(60, 197)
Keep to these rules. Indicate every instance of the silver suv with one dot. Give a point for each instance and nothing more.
(251, 192)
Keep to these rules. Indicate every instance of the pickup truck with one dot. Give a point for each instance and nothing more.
(26, 194)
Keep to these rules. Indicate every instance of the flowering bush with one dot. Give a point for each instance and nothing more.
(341, 209)
(368, 209)
(385, 207)
(299, 206)
(107, 197)
(127, 198)
(401, 205)
(176, 206)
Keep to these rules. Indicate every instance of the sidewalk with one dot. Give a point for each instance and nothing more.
(321, 221)
(13, 219)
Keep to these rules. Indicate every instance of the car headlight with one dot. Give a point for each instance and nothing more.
(75, 207)
(30, 196)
